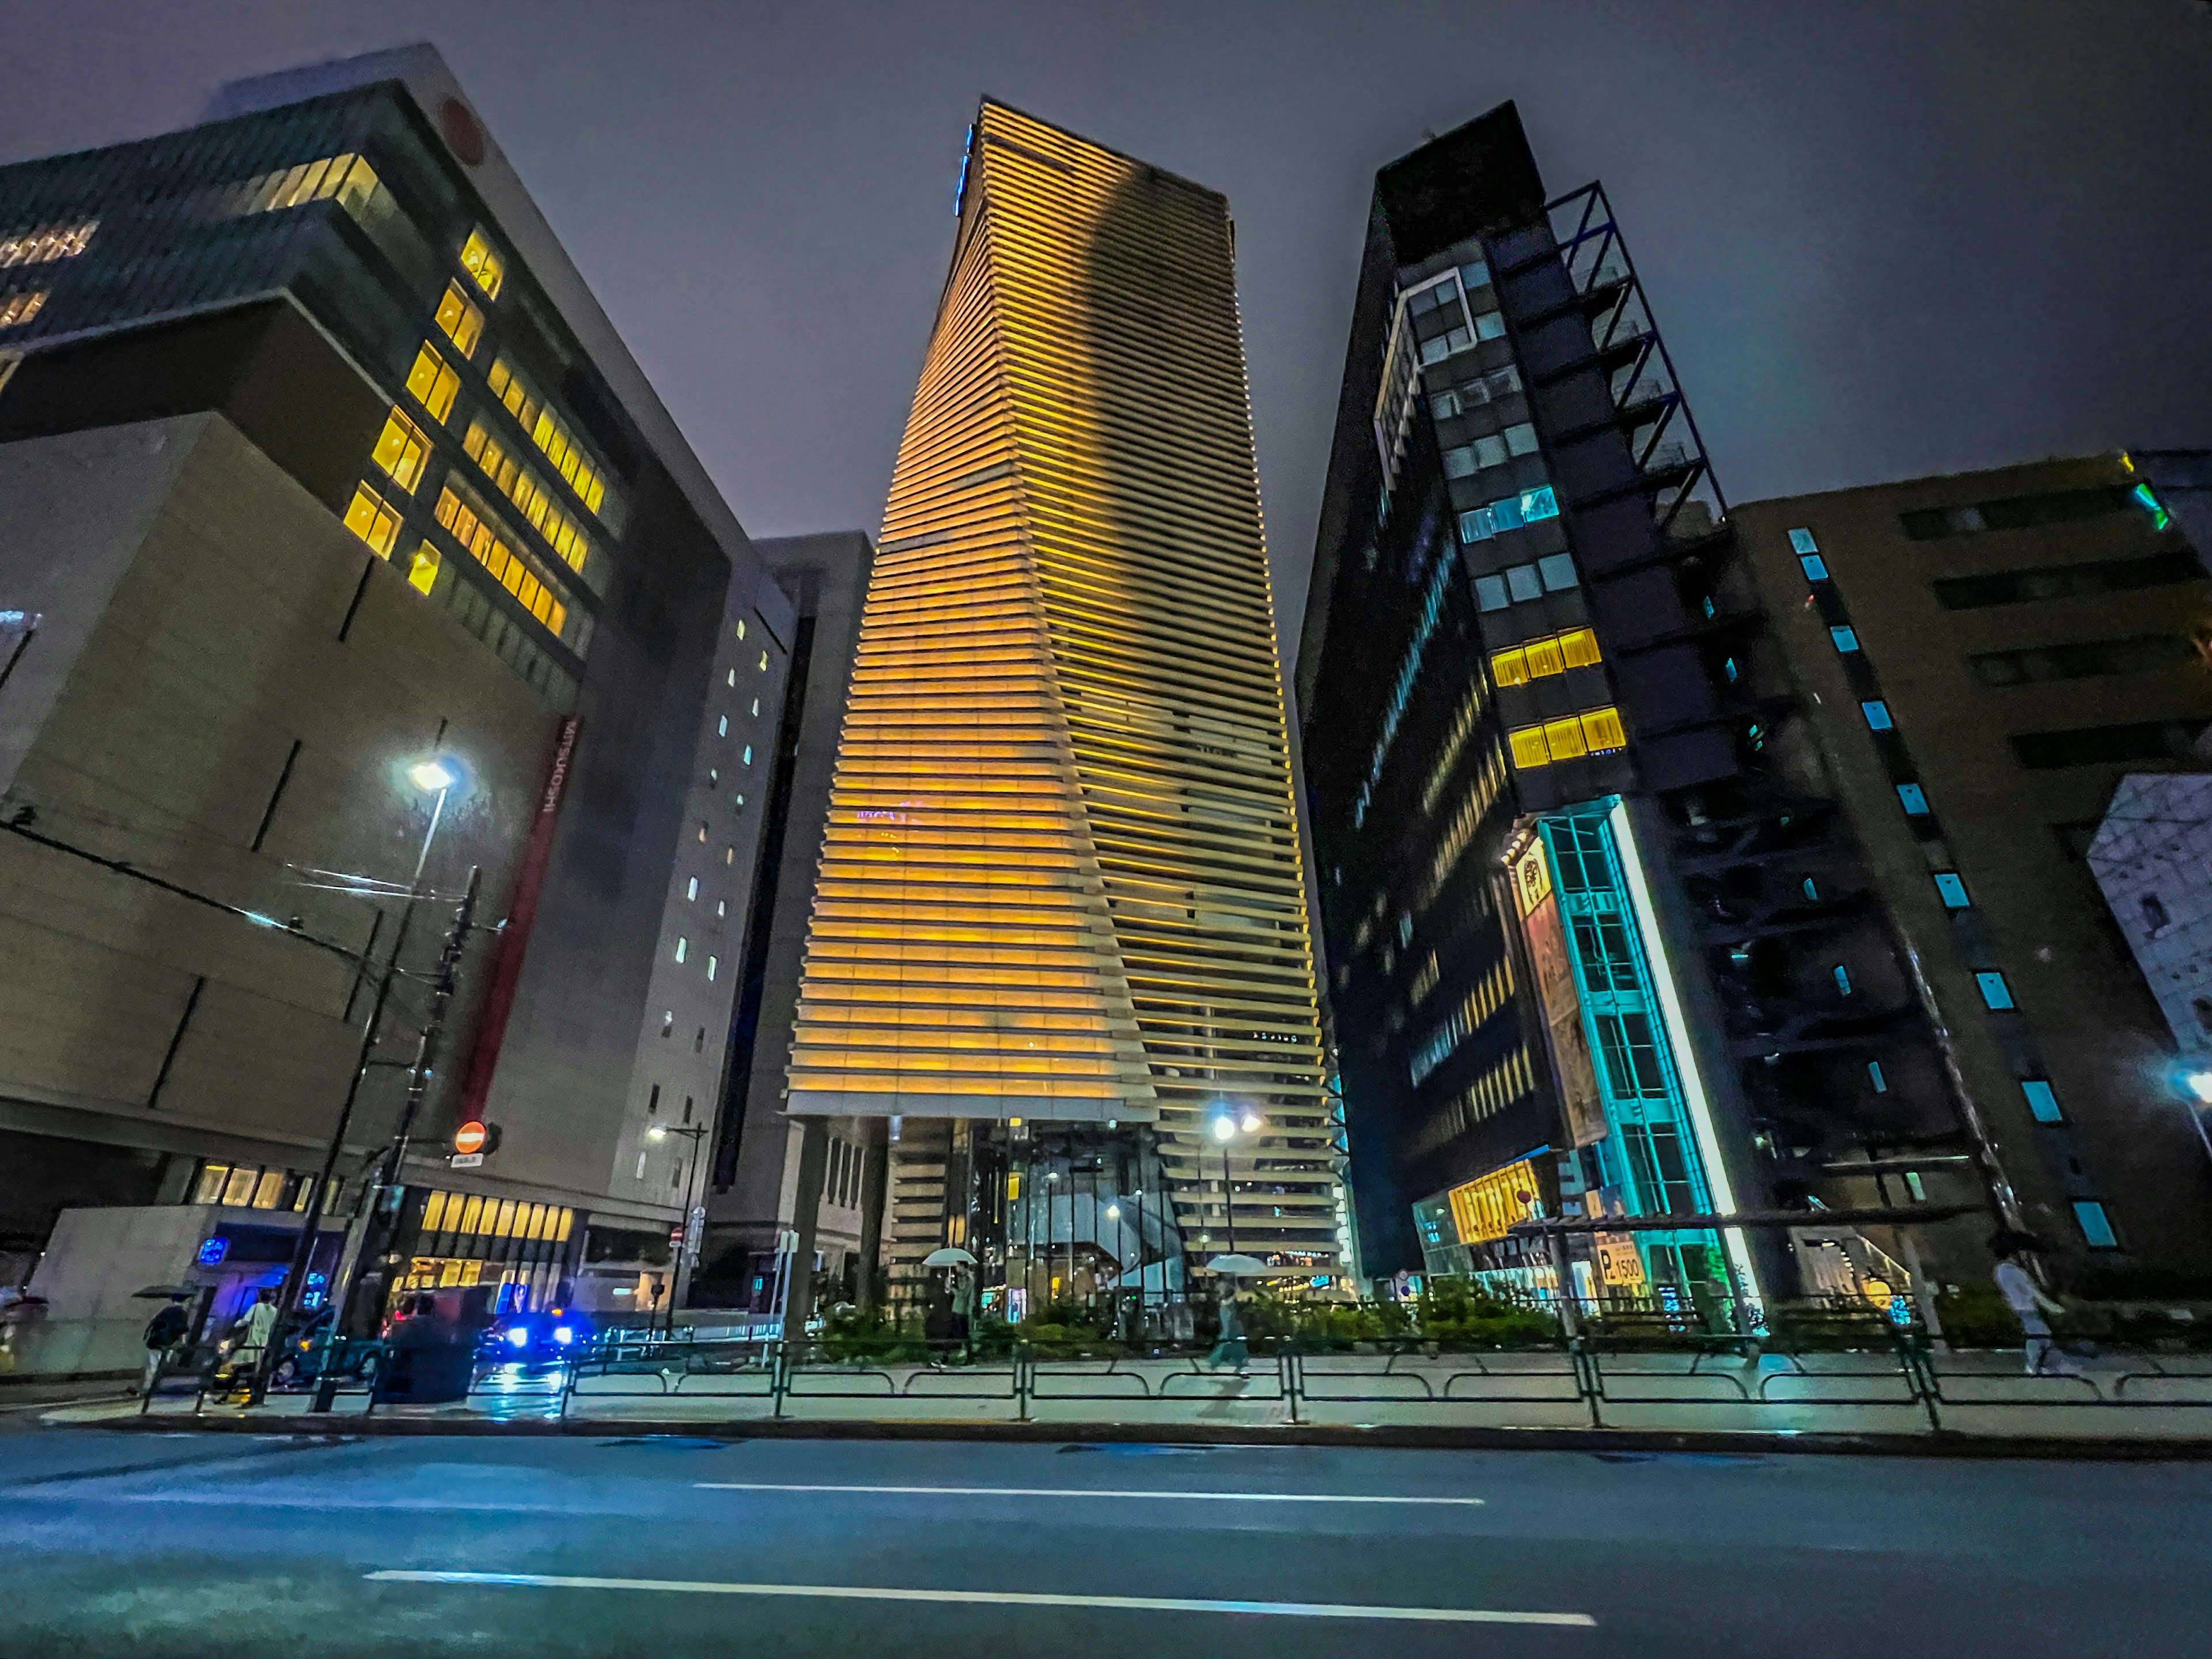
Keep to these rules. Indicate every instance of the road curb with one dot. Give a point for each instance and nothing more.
(1399, 1437)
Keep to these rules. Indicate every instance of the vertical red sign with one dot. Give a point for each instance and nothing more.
(514, 937)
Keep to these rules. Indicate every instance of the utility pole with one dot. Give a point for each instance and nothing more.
(687, 1251)
(303, 1253)
(418, 1087)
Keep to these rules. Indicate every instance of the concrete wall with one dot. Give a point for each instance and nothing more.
(164, 742)
(96, 1262)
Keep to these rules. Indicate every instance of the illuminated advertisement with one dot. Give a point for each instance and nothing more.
(1541, 925)
(1484, 1208)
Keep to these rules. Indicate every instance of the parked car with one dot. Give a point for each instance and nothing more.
(301, 1356)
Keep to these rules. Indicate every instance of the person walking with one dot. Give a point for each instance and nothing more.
(250, 1333)
(164, 1331)
(1229, 1348)
(2029, 1303)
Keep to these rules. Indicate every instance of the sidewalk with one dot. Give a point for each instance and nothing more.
(1844, 1401)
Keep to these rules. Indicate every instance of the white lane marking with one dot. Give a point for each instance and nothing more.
(1089, 1492)
(220, 1498)
(998, 1598)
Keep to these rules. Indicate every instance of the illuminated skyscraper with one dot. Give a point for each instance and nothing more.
(1060, 885)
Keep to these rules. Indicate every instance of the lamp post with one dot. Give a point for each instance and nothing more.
(438, 776)
(1226, 1128)
(688, 1251)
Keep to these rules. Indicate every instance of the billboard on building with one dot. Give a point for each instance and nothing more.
(1546, 937)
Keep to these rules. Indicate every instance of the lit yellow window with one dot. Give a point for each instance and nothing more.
(1530, 748)
(1509, 667)
(433, 385)
(1564, 737)
(354, 191)
(460, 321)
(471, 1217)
(434, 1214)
(400, 451)
(1544, 658)
(1013, 1183)
(16, 309)
(1578, 647)
(482, 262)
(504, 1227)
(567, 1220)
(422, 571)
(375, 523)
(1601, 730)
(36, 247)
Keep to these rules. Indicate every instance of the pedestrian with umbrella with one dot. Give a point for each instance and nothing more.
(168, 1326)
(1229, 1348)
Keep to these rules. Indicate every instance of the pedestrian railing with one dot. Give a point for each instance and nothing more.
(1416, 1372)
(1847, 1372)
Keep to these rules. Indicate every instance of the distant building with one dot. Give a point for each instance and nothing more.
(318, 459)
(1982, 659)
(1060, 935)
(1597, 941)
(2152, 856)
(763, 1161)
(2176, 485)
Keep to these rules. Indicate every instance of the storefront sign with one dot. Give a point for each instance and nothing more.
(1486, 1208)
(1547, 935)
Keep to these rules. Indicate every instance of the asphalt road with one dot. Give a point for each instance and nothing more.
(224, 1546)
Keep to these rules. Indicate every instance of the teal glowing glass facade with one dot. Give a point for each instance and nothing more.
(1648, 1162)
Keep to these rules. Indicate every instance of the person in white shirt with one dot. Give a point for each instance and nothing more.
(251, 1331)
(2029, 1302)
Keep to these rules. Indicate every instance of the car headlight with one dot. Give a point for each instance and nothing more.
(563, 1335)
(519, 1336)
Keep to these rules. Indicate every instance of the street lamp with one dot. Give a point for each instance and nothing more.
(1226, 1128)
(433, 775)
(2195, 1088)
(688, 1250)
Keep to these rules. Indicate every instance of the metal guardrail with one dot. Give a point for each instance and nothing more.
(1868, 1364)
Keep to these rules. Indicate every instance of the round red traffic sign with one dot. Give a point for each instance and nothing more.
(471, 1138)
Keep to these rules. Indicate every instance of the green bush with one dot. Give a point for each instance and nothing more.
(851, 1336)
(1836, 1324)
(1975, 1316)
(1454, 1313)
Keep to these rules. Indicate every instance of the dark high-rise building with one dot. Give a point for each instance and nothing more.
(1982, 658)
(1596, 940)
(319, 464)
(786, 1188)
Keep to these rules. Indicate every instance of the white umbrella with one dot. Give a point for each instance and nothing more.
(1244, 1266)
(950, 1256)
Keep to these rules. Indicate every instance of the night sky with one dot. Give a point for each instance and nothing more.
(1882, 239)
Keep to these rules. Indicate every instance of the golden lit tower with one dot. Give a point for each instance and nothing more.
(1061, 879)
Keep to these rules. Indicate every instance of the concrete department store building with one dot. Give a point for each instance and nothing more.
(317, 458)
